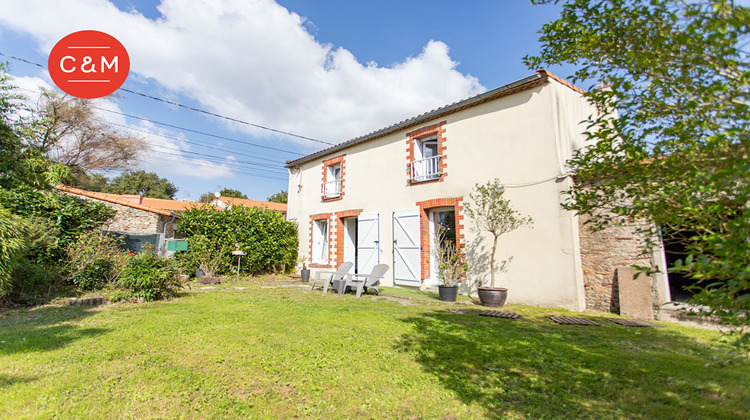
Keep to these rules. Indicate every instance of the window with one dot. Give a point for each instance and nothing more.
(426, 154)
(320, 242)
(332, 187)
(426, 165)
(334, 171)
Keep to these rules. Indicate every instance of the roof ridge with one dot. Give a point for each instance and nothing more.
(107, 198)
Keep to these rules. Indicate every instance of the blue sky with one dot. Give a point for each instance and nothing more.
(329, 70)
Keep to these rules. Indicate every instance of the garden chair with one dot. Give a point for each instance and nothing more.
(365, 281)
(327, 277)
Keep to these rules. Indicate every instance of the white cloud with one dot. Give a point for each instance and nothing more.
(255, 61)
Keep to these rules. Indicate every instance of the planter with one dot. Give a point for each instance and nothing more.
(448, 293)
(305, 274)
(492, 296)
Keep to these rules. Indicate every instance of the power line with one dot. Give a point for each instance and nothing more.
(192, 142)
(262, 127)
(236, 168)
(223, 159)
(233, 170)
(196, 131)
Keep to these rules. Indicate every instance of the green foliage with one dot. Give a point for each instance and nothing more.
(224, 192)
(279, 197)
(95, 260)
(65, 215)
(206, 254)
(12, 246)
(672, 140)
(149, 277)
(263, 234)
(493, 213)
(147, 184)
(21, 162)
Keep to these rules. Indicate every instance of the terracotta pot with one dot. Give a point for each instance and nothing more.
(448, 293)
(492, 296)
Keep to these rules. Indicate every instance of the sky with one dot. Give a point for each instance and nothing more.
(315, 72)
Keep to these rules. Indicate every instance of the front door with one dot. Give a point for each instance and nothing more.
(442, 224)
(350, 241)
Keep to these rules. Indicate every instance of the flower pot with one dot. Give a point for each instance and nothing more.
(447, 293)
(492, 296)
(305, 274)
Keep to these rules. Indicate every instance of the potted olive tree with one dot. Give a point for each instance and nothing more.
(451, 266)
(493, 214)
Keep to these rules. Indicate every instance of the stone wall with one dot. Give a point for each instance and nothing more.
(129, 219)
(602, 252)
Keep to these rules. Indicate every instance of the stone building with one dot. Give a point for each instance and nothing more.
(137, 222)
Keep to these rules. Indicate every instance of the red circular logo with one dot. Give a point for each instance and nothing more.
(88, 64)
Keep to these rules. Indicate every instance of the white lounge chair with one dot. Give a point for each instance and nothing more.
(327, 277)
(364, 281)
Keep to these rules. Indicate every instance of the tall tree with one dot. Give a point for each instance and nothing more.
(279, 197)
(147, 184)
(67, 130)
(673, 136)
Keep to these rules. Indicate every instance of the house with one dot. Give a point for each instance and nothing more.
(378, 198)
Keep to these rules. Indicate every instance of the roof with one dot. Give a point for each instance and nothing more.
(122, 200)
(541, 77)
(253, 203)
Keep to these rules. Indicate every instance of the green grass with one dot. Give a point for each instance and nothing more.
(281, 351)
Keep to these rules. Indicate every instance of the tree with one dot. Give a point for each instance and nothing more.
(147, 184)
(492, 213)
(66, 130)
(224, 192)
(279, 197)
(673, 134)
(21, 163)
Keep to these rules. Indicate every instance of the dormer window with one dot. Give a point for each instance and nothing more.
(333, 179)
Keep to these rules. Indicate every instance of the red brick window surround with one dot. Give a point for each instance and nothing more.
(424, 227)
(340, 216)
(329, 250)
(332, 187)
(421, 170)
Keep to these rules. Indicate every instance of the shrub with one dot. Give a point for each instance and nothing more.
(12, 246)
(268, 239)
(149, 277)
(95, 260)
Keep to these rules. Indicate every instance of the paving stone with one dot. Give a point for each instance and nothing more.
(499, 314)
(569, 320)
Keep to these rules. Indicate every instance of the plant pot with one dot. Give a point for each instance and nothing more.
(492, 296)
(305, 274)
(448, 293)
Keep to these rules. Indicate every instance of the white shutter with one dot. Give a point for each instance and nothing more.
(406, 248)
(368, 242)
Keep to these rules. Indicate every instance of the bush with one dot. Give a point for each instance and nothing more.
(12, 247)
(95, 260)
(268, 239)
(149, 277)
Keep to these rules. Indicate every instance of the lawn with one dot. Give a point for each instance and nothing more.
(271, 350)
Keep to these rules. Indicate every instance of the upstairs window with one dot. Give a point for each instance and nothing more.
(426, 154)
(334, 171)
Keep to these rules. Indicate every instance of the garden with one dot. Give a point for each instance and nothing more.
(269, 347)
